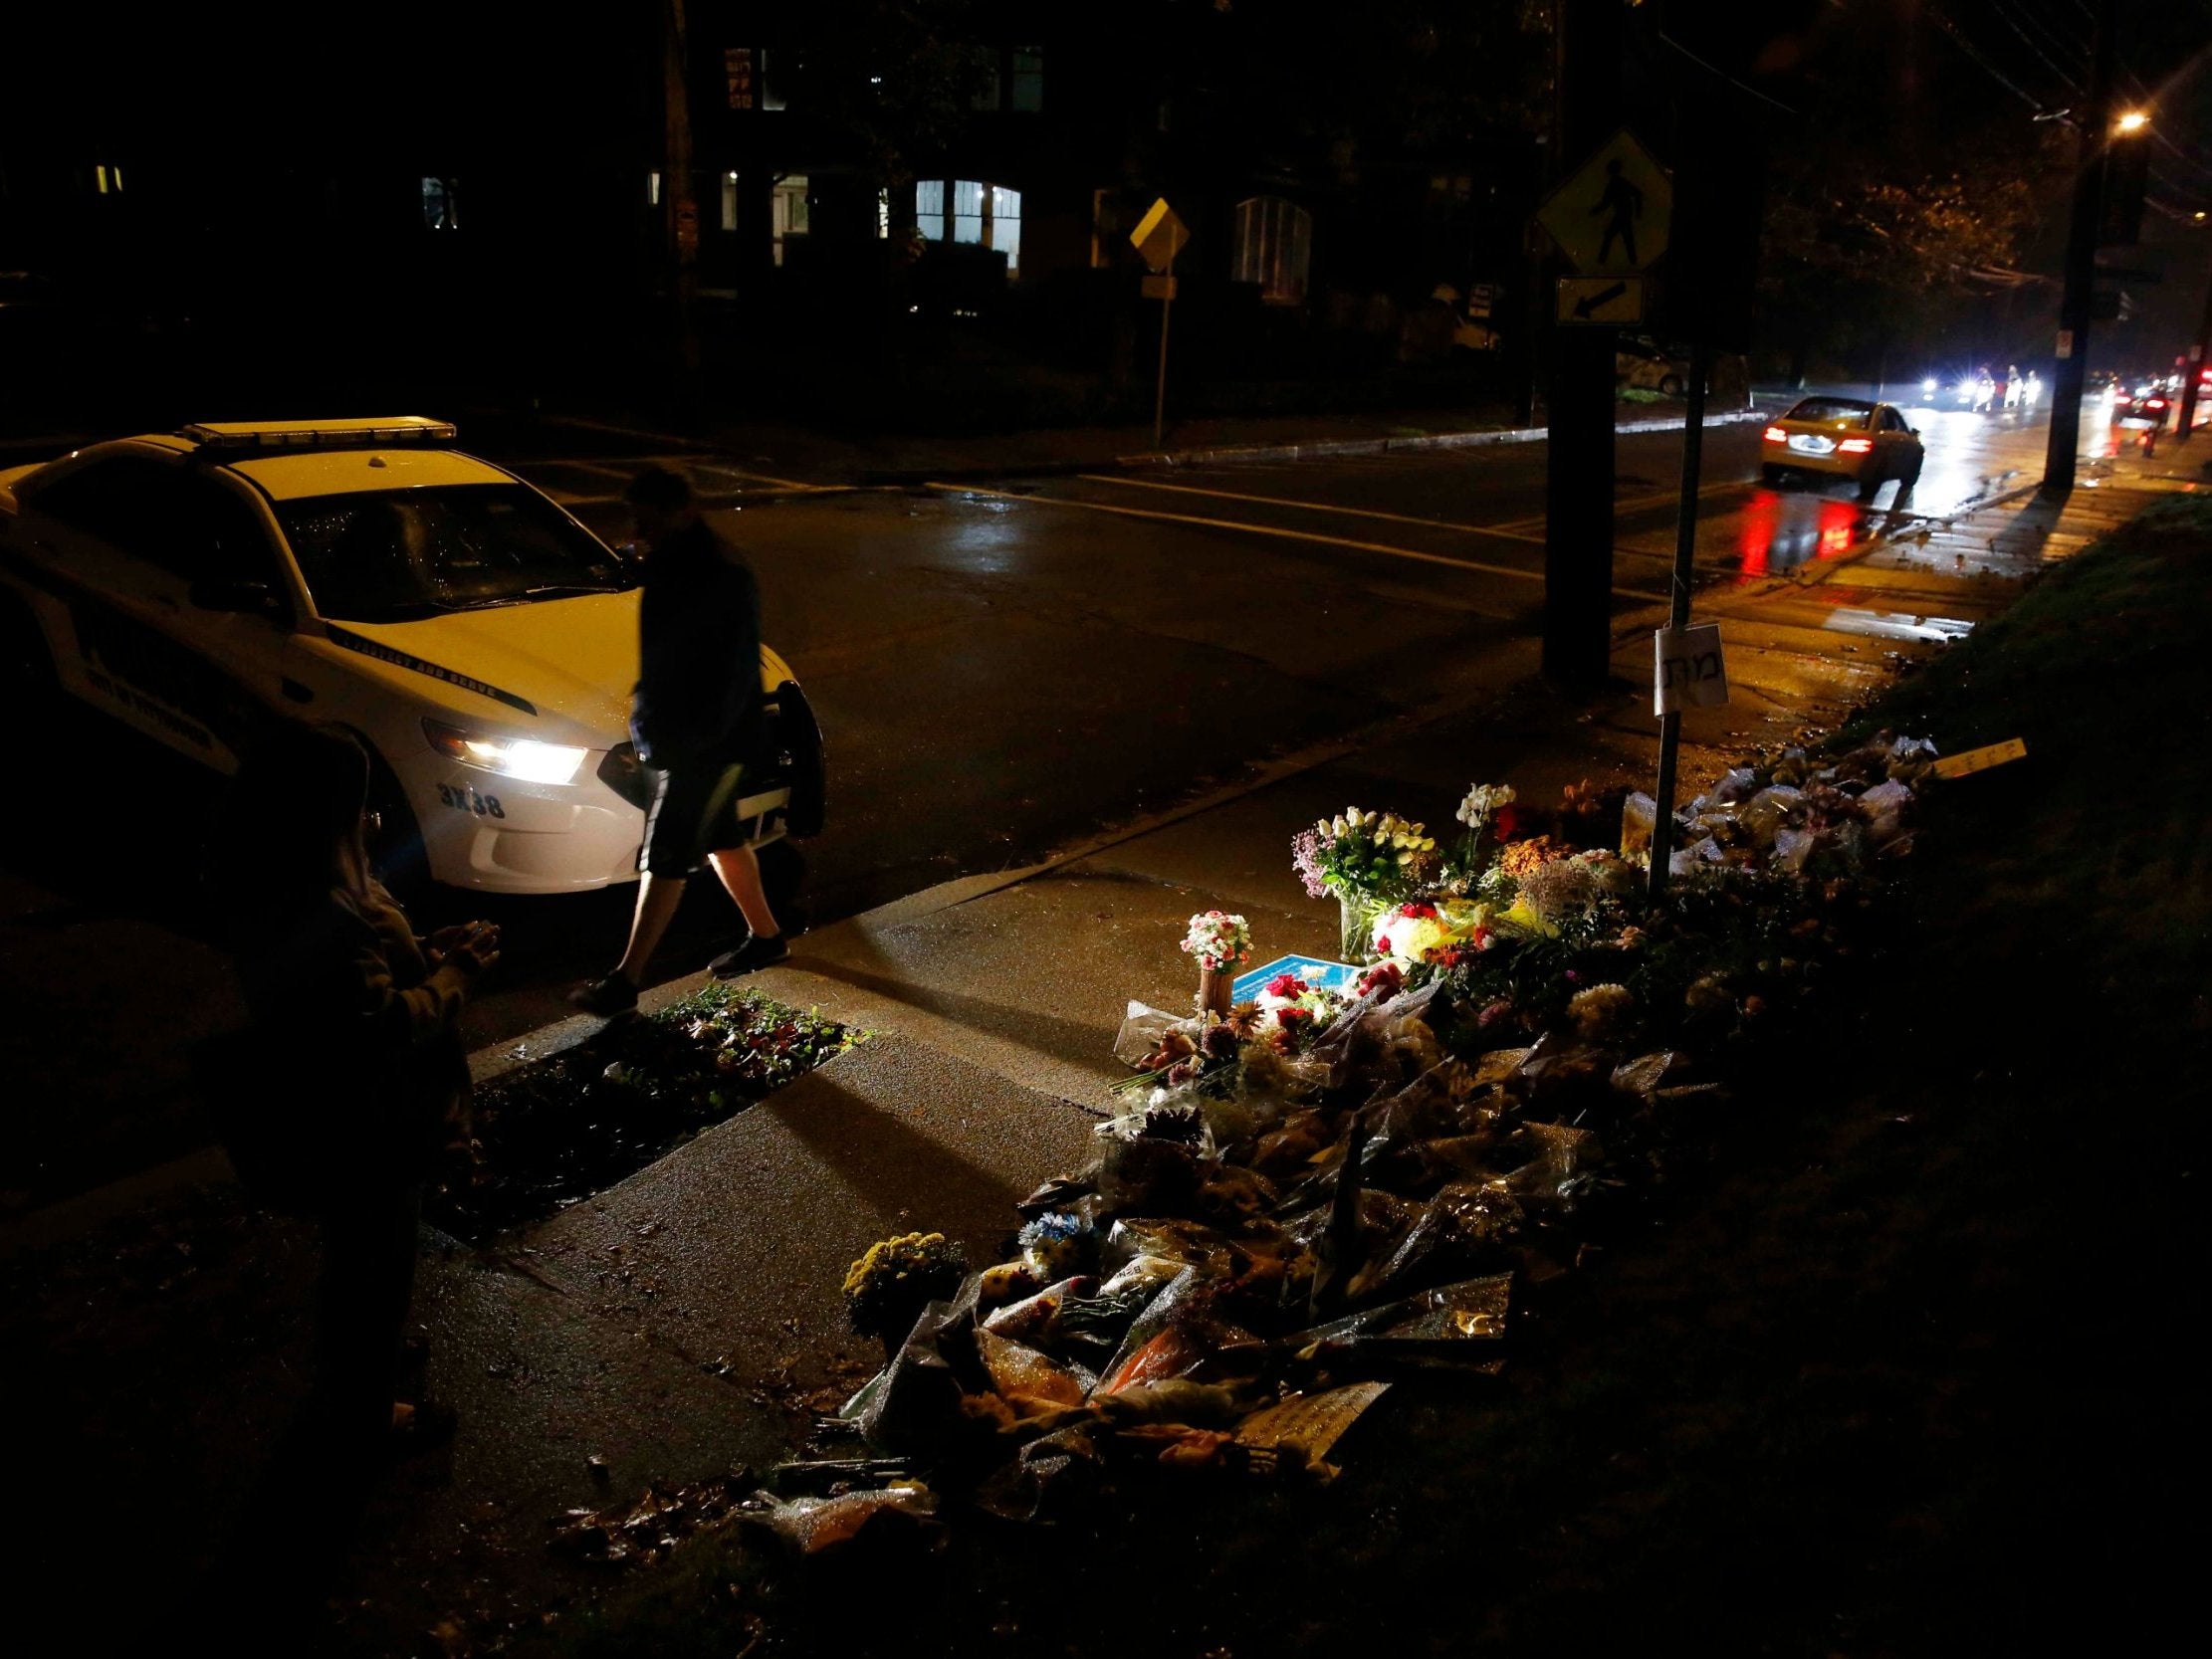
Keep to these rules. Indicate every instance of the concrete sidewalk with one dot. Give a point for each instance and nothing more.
(689, 1318)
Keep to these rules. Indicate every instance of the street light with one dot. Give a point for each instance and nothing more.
(2133, 121)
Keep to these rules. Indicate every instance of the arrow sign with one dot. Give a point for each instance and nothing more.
(1592, 302)
(1600, 302)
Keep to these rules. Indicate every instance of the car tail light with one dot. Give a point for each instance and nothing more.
(2155, 404)
(1775, 435)
(1856, 446)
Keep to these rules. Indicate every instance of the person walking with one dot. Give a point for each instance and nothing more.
(694, 717)
(356, 1082)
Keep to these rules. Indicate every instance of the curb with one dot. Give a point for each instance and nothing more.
(1324, 448)
(1302, 449)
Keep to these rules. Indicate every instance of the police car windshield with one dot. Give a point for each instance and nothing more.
(390, 555)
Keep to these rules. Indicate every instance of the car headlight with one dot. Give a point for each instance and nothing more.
(519, 757)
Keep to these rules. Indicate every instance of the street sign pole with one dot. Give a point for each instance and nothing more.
(2071, 377)
(2193, 372)
(1160, 392)
(1685, 549)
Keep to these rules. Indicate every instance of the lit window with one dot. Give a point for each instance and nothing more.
(729, 201)
(791, 210)
(441, 205)
(1028, 79)
(968, 210)
(772, 93)
(883, 215)
(653, 190)
(1006, 225)
(929, 208)
(1274, 247)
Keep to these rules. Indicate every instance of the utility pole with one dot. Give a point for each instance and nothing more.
(2072, 378)
(1578, 480)
(2192, 373)
(683, 207)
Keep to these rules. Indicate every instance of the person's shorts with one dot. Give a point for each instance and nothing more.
(691, 812)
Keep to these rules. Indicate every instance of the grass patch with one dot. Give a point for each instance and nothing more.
(561, 1128)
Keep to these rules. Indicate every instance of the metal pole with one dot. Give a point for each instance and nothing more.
(2193, 372)
(2070, 381)
(1160, 395)
(1685, 551)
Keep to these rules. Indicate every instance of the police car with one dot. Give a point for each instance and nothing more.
(479, 640)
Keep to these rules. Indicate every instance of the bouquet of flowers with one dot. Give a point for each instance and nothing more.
(1365, 856)
(1441, 935)
(1218, 941)
(1484, 804)
(1298, 1007)
(887, 1289)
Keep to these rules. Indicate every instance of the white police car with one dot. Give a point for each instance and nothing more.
(477, 638)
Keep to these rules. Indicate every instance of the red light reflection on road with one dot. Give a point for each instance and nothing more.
(1777, 533)
(1838, 521)
(1755, 537)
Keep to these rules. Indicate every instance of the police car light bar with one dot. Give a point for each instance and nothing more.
(344, 433)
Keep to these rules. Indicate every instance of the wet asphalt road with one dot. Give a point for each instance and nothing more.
(1002, 669)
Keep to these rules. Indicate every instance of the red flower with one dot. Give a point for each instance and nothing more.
(1505, 821)
(1418, 911)
(1290, 1017)
(1286, 986)
(1382, 944)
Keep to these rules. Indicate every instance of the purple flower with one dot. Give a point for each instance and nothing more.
(1305, 859)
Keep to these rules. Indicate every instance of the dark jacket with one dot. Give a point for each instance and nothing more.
(699, 653)
(369, 1028)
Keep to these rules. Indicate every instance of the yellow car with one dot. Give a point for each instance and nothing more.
(479, 640)
(1843, 437)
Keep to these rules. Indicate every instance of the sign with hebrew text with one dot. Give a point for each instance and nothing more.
(1690, 671)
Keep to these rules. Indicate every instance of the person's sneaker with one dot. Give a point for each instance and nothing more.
(609, 997)
(754, 954)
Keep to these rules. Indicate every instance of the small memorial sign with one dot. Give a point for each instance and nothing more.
(1690, 671)
(1335, 976)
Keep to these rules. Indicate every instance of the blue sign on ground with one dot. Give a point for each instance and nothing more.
(1335, 976)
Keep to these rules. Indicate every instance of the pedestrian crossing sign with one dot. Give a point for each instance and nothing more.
(1612, 216)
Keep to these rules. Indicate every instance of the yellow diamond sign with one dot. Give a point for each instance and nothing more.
(1159, 235)
(1612, 215)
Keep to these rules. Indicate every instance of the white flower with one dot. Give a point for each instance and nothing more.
(1482, 802)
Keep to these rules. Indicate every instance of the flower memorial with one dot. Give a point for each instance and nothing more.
(1305, 1195)
(1218, 941)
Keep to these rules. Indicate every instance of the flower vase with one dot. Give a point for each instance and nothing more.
(1354, 929)
(1214, 986)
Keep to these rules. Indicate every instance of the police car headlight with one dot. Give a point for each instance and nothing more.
(519, 757)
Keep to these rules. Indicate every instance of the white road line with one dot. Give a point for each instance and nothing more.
(1271, 530)
(1312, 507)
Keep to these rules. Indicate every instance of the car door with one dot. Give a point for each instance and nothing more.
(145, 543)
(1900, 449)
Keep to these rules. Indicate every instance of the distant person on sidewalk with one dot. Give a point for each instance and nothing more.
(694, 717)
(361, 1080)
